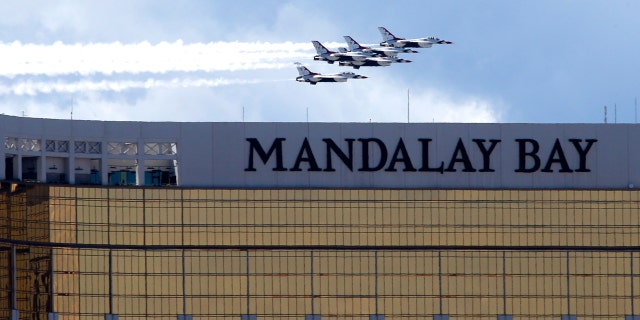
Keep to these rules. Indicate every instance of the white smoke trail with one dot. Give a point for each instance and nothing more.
(59, 59)
(32, 88)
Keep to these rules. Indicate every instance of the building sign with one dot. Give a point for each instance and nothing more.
(396, 157)
(431, 155)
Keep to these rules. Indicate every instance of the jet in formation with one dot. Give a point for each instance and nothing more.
(313, 78)
(354, 58)
(354, 46)
(390, 40)
(357, 55)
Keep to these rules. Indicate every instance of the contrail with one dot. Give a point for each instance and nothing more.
(32, 88)
(59, 59)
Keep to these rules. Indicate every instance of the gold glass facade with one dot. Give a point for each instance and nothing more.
(156, 253)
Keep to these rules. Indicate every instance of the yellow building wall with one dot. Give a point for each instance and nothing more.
(284, 253)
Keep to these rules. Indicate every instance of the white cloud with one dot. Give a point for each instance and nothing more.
(381, 100)
(430, 104)
(376, 100)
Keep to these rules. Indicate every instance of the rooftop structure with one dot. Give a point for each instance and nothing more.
(253, 221)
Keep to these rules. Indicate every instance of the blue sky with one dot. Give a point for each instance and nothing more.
(511, 61)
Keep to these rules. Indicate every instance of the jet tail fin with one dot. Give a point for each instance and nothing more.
(353, 44)
(302, 70)
(320, 49)
(387, 35)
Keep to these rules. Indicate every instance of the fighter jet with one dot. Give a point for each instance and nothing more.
(390, 40)
(324, 54)
(313, 78)
(349, 58)
(366, 63)
(354, 46)
(382, 56)
(372, 62)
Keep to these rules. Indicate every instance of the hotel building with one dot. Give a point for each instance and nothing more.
(313, 221)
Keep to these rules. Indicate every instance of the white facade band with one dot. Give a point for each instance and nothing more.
(321, 155)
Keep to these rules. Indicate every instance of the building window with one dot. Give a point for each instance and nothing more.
(95, 147)
(11, 143)
(160, 148)
(50, 146)
(80, 147)
(57, 146)
(62, 146)
(122, 148)
(27, 144)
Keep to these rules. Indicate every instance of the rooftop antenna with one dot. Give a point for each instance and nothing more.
(408, 106)
(605, 114)
(71, 112)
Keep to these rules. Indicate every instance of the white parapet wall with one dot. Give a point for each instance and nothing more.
(322, 155)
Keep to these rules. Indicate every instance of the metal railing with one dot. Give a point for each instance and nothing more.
(592, 282)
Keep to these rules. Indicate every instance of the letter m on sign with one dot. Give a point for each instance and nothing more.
(256, 148)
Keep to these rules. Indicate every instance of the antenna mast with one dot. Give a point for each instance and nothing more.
(407, 105)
